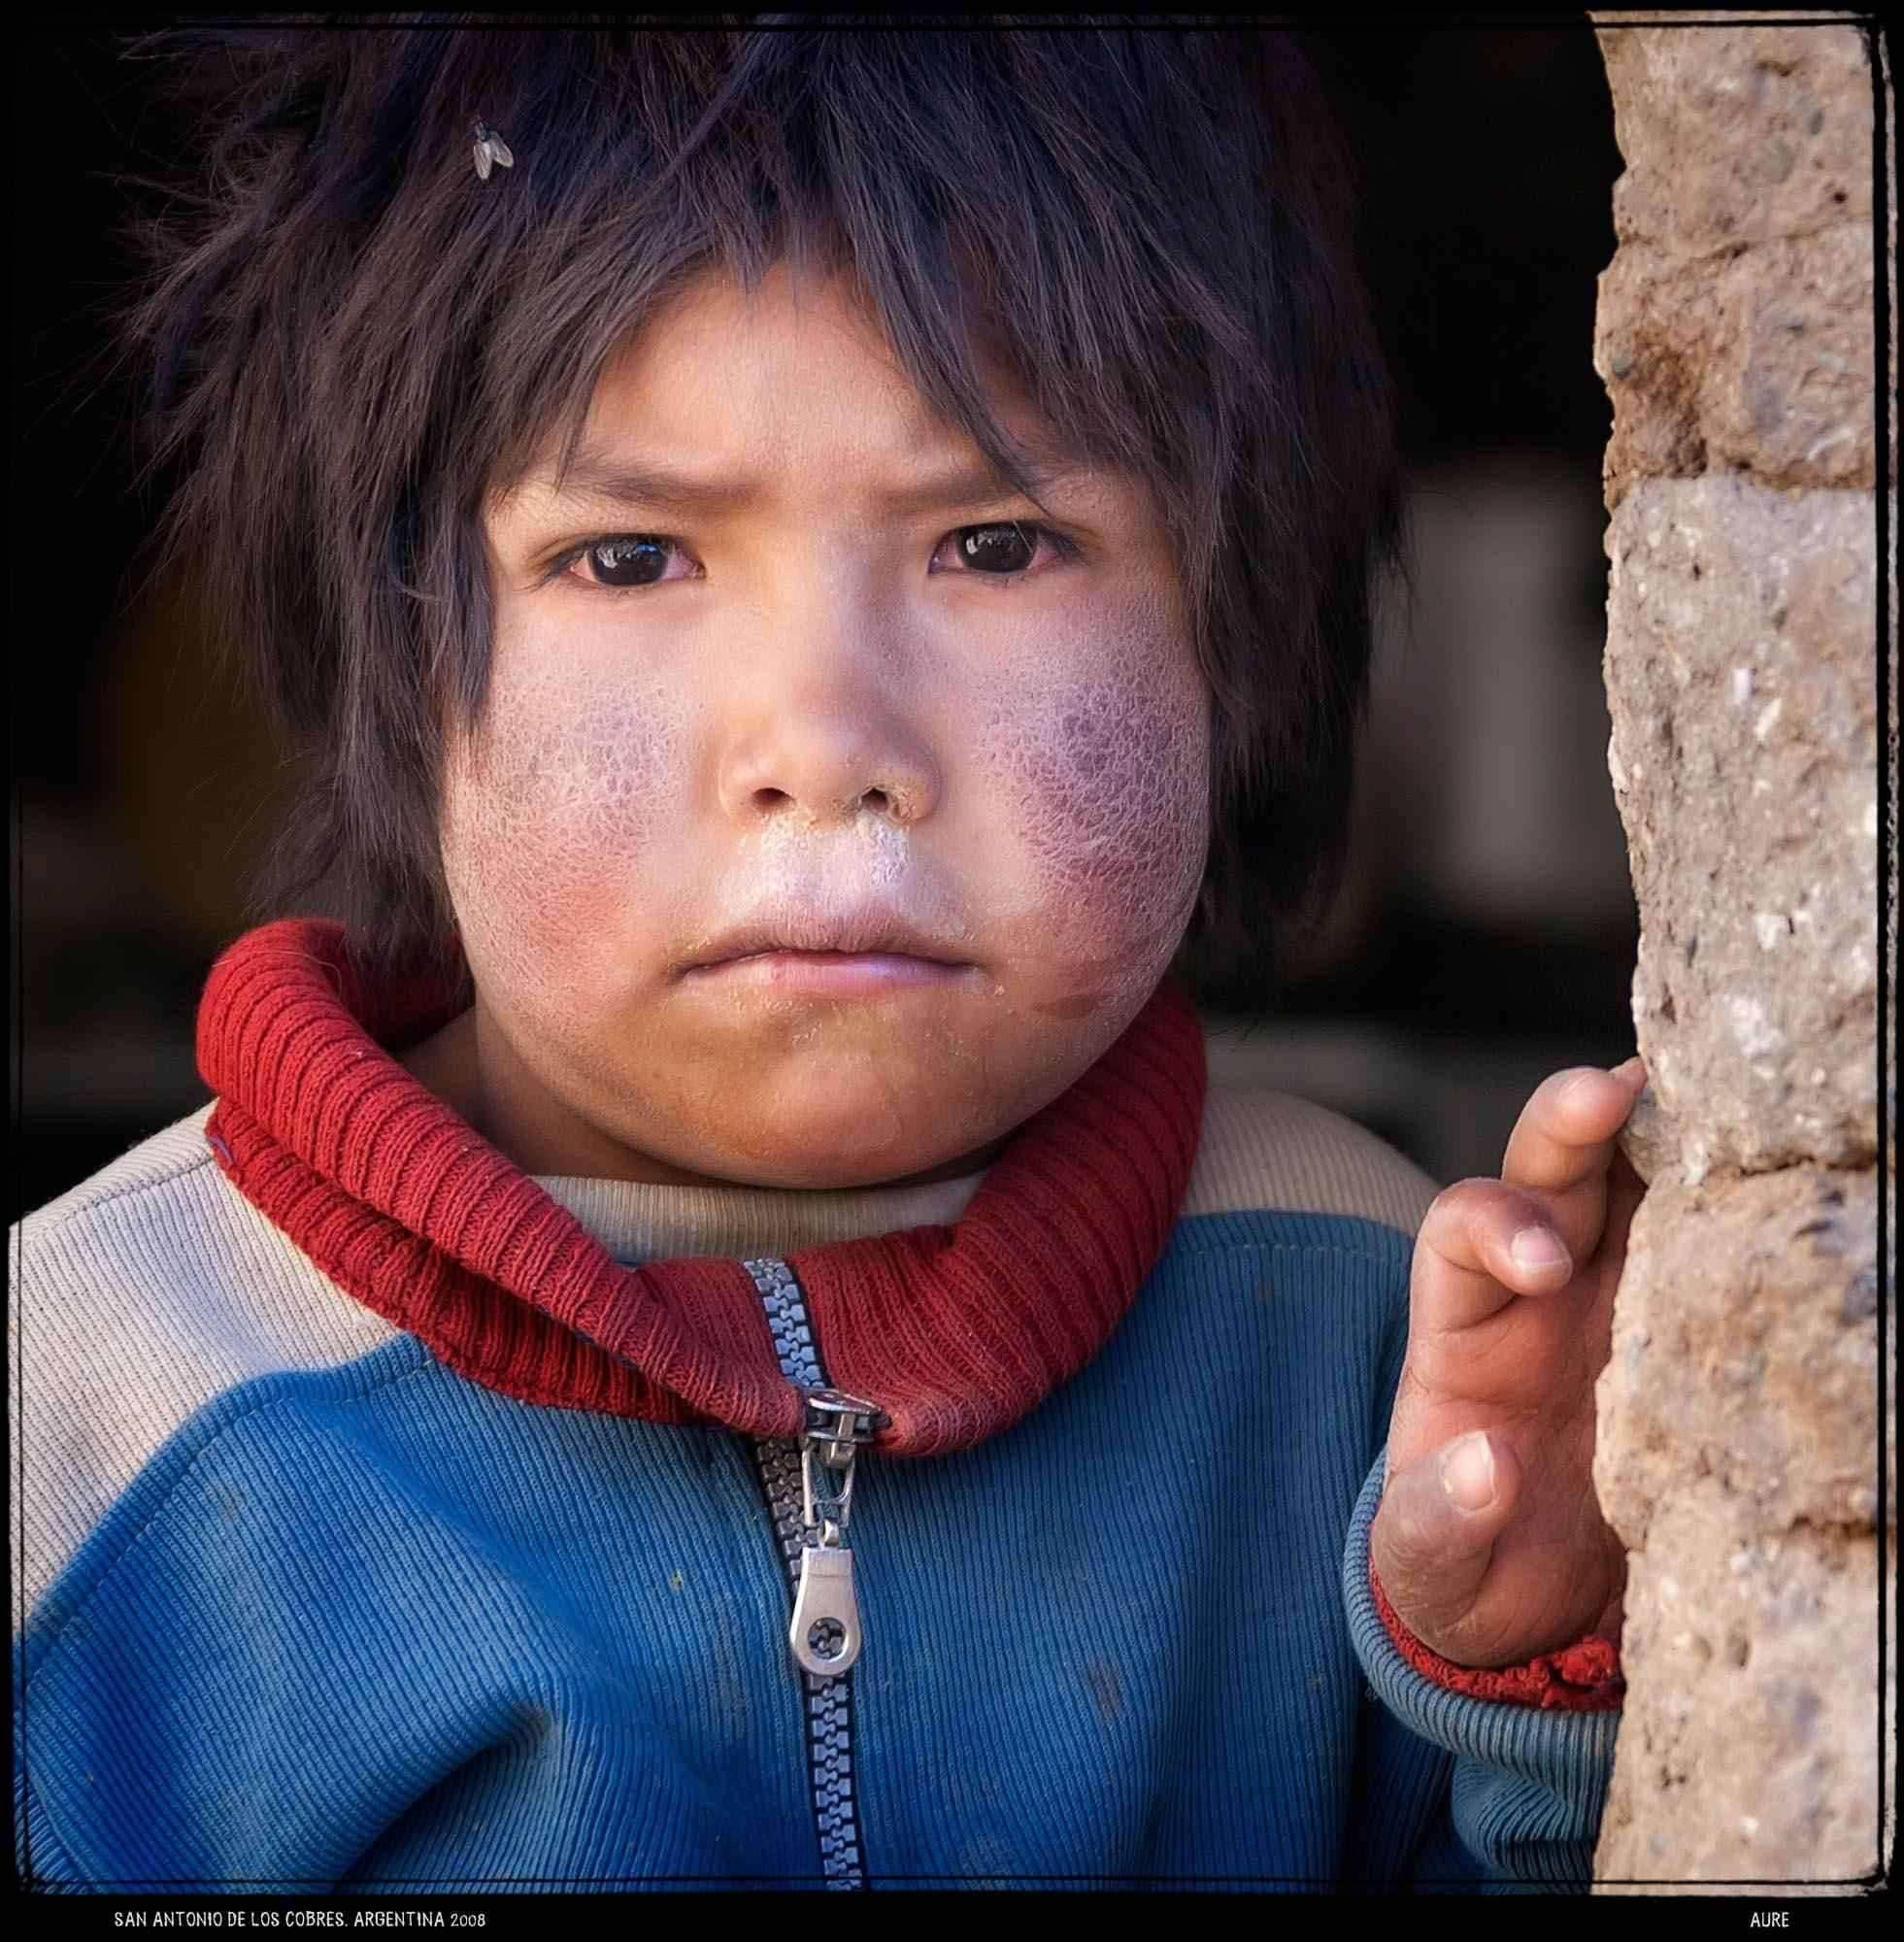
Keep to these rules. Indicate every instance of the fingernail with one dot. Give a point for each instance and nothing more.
(1467, 1473)
(1579, 1083)
(1631, 1070)
(1537, 1251)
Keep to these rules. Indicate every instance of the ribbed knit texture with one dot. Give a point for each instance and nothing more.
(376, 1625)
(954, 1332)
(1581, 1677)
(1526, 1828)
(307, 1607)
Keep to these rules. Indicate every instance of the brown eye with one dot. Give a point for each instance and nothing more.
(637, 560)
(1003, 548)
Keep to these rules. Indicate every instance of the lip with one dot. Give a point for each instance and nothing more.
(822, 942)
(828, 973)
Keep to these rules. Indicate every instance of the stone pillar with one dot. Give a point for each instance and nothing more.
(1739, 1435)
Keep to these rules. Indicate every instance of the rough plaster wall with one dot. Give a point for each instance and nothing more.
(1738, 1453)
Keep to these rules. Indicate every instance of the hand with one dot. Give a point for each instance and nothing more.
(1489, 1542)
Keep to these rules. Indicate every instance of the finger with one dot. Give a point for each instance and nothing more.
(1482, 1243)
(1625, 1189)
(1567, 1127)
(1564, 1142)
(1434, 1535)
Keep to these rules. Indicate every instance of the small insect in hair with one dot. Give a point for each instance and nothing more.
(490, 149)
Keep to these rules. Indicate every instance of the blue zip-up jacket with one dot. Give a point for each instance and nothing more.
(300, 1608)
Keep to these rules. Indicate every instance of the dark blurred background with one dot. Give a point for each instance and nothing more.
(1486, 932)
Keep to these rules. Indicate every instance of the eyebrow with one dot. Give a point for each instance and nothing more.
(600, 477)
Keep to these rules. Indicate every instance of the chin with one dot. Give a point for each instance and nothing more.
(835, 1139)
(816, 1175)
(809, 1159)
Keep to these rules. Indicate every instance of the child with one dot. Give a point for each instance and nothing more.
(717, 1332)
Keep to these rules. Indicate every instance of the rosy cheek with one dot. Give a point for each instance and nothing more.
(1106, 785)
(552, 821)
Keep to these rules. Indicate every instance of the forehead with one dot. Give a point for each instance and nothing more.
(793, 382)
(725, 361)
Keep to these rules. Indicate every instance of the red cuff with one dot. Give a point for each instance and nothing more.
(1579, 1678)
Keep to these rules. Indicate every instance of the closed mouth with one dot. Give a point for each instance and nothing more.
(823, 939)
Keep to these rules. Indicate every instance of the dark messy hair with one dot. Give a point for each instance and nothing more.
(350, 337)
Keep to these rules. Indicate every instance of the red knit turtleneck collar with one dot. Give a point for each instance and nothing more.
(954, 1332)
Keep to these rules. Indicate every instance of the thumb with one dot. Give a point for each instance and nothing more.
(1433, 1537)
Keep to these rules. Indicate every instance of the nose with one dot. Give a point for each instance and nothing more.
(822, 725)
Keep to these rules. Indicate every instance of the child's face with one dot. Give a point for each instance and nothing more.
(810, 707)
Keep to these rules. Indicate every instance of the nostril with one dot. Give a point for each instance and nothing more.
(767, 799)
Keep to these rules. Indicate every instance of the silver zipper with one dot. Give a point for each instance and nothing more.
(809, 1490)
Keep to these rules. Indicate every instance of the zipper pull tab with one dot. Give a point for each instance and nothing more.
(825, 1634)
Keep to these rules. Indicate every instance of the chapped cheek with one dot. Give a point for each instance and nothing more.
(1108, 786)
(560, 806)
